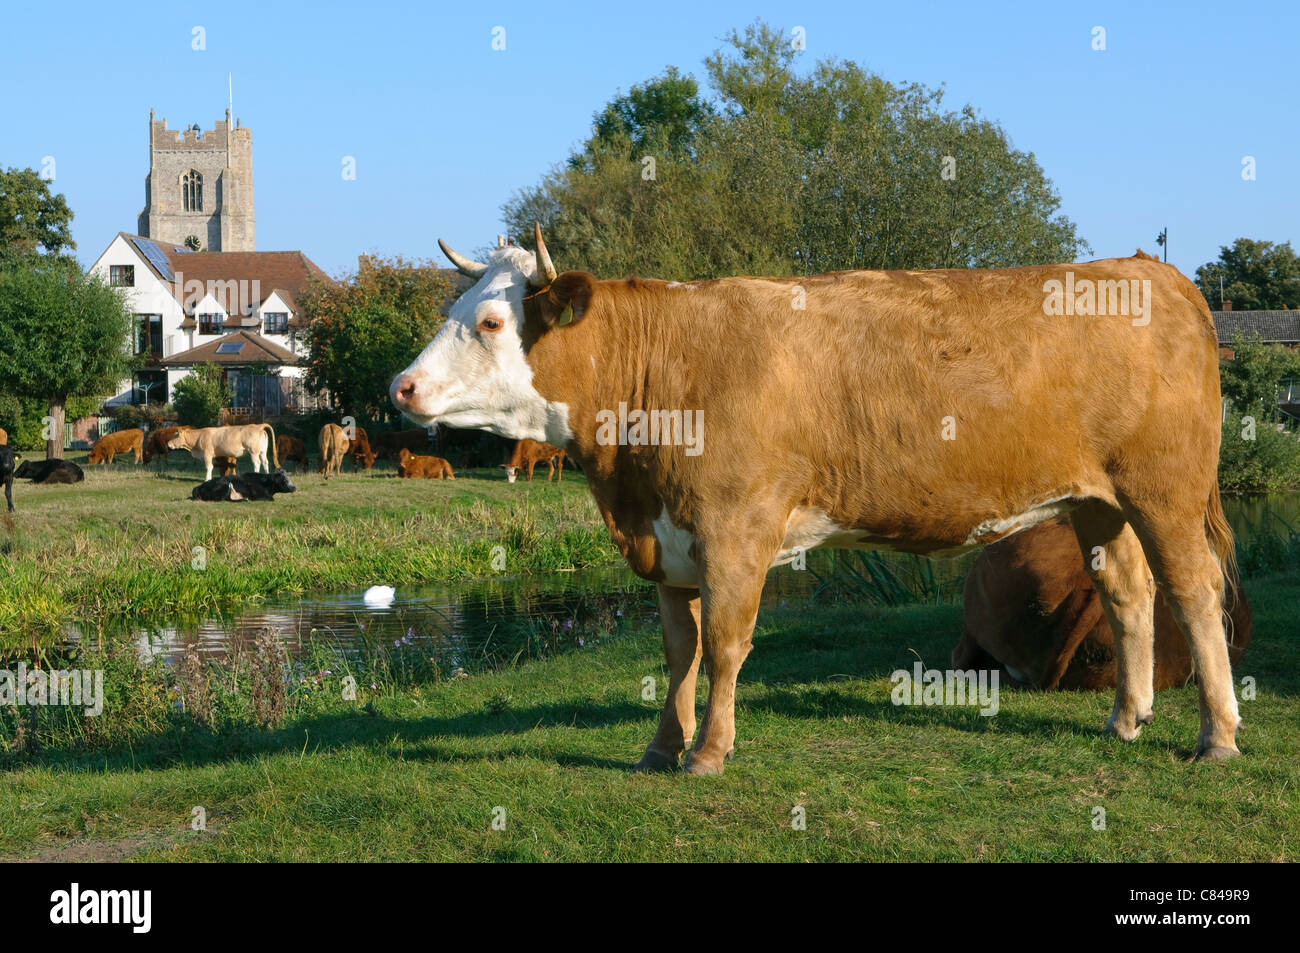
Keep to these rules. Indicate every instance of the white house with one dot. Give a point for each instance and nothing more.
(185, 300)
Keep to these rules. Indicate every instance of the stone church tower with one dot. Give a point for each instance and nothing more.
(200, 186)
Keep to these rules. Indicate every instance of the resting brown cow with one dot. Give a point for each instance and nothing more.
(362, 455)
(291, 449)
(1031, 610)
(109, 445)
(388, 445)
(156, 446)
(529, 453)
(333, 444)
(411, 465)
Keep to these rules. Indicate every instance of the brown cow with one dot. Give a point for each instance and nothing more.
(121, 441)
(225, 465)
(387, 445)
(1032, 611)
(362, 455)
(4, 437)
(333, 444)
(529, 453)
(411, 465)
(922, 411)
(291, 449)
(157, 443)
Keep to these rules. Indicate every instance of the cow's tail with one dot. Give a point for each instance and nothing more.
(1218, 533)
(275, 454)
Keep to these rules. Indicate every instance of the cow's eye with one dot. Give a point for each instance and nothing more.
(490, 324)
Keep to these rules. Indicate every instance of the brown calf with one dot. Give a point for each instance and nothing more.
(362, 456)
(528, 453)
(291, 449)
(123, 441)
(430, 468)
(1032, 611)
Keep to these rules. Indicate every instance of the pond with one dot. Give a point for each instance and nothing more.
(482, 624)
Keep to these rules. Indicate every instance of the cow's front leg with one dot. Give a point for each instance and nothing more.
(733, 572)
(679, 614)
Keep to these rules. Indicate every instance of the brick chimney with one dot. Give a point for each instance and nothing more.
(1227, 305)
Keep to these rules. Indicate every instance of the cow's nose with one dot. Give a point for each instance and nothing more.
(404, 390)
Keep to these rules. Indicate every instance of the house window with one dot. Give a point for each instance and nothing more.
(275, 322)
(149, 386)
(192, 191)
(121, 276)
(210, 323)
(148, 334)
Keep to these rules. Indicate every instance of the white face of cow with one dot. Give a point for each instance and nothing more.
(473, 374)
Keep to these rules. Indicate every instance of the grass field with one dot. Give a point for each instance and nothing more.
(418, 774)
(122, 545)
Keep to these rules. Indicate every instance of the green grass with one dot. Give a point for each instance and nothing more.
(121, 545)
(416, 774)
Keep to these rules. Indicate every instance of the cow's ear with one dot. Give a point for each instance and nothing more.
(568, 298)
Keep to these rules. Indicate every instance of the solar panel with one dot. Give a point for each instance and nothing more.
(230, 347)
(156, 257)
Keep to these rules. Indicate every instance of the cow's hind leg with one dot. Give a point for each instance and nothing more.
(679, 614)
(1114, 559)
(1191, 580)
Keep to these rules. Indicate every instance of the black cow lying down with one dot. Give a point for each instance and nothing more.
(240, 487)
(7, 473)
(48, 472)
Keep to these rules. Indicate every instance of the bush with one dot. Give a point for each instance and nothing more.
(1266, 464)
(199, 397)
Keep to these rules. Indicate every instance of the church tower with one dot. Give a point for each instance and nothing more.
(199, 190)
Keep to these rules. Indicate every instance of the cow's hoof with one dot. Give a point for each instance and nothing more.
(700, 767)
(1216, 753)
(655, 761)
(1125, 732)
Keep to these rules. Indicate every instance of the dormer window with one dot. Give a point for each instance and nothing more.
(192, 191)
(275, 322)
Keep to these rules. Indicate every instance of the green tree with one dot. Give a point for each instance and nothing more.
(199, 396)
(1250, 378)
(62, 333)
(1255, 275)
(363, 331)
(32, 220)
(791, 174)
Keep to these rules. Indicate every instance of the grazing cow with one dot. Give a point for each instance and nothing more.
(921, 411)
(207, 443)
(7, 457)
(529, 453)
(333, 444)
(240, 488)
(412, 465)
(362, 456)
(1032, 611)
(48, 472)
(157, 443)
(121, 441)
(388, 445)
(292, 450)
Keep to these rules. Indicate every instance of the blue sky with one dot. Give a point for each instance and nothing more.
(1149, 133)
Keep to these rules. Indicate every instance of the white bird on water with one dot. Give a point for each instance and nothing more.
(379, 597)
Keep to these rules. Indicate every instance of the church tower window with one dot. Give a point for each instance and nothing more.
(192, 191)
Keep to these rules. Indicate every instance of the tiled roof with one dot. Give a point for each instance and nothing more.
(253, 349)
(1272, 327)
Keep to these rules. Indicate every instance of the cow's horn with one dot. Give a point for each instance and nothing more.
(464, 265)
(545, 270)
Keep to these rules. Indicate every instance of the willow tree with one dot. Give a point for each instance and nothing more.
(62, 333)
